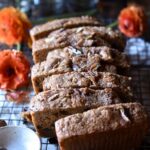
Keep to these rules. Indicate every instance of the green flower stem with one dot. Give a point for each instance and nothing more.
(42, 20)
(18, 46)
(148, 13)
(114, 24)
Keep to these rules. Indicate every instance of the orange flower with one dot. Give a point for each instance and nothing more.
(132, 21)
(14, 69)
(14, 26)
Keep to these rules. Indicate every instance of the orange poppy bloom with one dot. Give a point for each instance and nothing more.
(14, 26)
(14, 69)
(132, 21)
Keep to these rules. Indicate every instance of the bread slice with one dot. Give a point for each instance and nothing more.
(40, 31)
(87, 79)
(62, 65)
(76, 37)
(114, 127)
(90, 35)
(107, 54)
(47, 107)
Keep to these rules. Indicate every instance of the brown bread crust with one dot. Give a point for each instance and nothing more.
(117, 127)
(87, 79)
(40, 31)
(77, 37)
(106, 54)
(62, 65)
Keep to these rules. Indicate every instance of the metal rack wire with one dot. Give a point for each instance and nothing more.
(139, 53)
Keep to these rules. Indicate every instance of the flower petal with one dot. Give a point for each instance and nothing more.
(14, 26)
(132, 21)
(14, 69)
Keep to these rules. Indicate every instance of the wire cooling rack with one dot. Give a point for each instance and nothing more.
(139, 54)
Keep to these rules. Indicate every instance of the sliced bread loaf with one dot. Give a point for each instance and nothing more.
(62, 65)
(77, 37)
(49, 106)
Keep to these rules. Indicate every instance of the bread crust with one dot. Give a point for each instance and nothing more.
(62, 65)
(106, 128)
(49, 106)
(93, 80)
(77, 37)
(40, 31)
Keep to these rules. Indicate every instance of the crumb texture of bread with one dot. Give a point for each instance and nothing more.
(97, 128)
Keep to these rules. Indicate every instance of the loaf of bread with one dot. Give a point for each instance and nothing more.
(40, 31)
(76, 37)
(62, 65)
(49, 106)
(114, 127)
(87, 79)
(83, 96)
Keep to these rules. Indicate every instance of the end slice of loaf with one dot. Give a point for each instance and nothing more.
(47, 107)
(62, 65)
(87, 79)
(77, 37)
(117, 127)
(40, 31)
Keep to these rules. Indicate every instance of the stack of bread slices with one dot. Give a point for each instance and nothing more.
(83, 96)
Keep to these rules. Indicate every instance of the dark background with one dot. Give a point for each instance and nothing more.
(43, 8)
